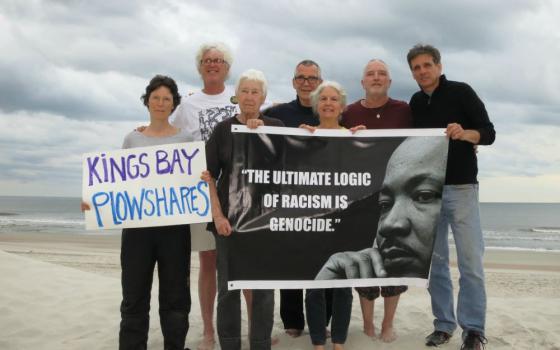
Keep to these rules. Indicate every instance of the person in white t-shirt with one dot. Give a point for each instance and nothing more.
(198, 114)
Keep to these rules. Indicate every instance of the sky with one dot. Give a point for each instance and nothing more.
(72, 72)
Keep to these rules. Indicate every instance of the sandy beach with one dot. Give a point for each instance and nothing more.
(62, 291)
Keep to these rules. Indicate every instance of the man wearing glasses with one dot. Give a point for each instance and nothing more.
(307, 77)
(198, 114)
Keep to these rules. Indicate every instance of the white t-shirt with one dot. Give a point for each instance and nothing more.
(199, 113)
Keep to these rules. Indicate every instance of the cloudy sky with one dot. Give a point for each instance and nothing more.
(72, 71)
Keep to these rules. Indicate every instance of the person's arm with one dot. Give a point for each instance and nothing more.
(254, 123)
(456, 132)
(308, 127)
(356, 128)
(84, 206)
(222, 224)
(482, 131)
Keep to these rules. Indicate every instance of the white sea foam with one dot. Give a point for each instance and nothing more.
(11, 221)
(546, 229)
(524, 249)
(520, 249)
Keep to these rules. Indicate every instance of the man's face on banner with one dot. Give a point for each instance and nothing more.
(410, 202)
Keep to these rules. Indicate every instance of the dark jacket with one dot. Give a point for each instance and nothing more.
(455, 102)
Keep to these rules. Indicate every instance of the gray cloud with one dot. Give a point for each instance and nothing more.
(79, 67)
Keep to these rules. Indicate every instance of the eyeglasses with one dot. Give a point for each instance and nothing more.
(213, 60)
(311, 80)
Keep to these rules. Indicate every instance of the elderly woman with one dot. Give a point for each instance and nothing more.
(250, 92)
(169, 246)
(328, 102)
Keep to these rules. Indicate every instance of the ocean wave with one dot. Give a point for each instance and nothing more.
(8, 214)
(546, 229)
(524, 249)
(41, 221)
(527, 234)
(536, 239)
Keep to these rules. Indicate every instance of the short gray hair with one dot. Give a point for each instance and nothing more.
(332, 84)
(221, 47)
(252, 75)
(308, 63)
(380, 61)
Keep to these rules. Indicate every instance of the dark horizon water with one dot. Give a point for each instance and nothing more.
(527, 226)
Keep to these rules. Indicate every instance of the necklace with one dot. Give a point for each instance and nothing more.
(379, 110)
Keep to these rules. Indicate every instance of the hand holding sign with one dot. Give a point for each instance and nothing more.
(146, 186)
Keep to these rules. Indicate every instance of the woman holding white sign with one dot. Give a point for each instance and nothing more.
(169, 246)
(251, 93)
(328, 102)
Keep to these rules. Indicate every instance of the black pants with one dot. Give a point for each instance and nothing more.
(141, 248)
(229, 308)
(315, 306)
(291, 308)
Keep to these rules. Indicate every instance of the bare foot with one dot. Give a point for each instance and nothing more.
(387, 334)
(274, 340)
(294, 333)
(369, 330)
(207, 343)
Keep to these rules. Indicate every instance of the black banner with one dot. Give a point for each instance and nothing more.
(332, 209)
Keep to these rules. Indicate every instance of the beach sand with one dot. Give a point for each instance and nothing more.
(63, 292)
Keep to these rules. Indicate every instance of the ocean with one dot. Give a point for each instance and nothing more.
(521, 226)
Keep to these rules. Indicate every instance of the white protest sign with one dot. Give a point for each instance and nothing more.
(146, 186)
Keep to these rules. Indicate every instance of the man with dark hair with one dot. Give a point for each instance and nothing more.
(442, 103)
(307, 77)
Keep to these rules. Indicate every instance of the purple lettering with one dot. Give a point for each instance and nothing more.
(115, 166)
(105, 172)
(176, 161)
(92, 171)
(146, 166)
(132, 174)
(189, 159)
(161, 157)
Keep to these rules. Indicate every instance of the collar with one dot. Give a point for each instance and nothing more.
(298, 103)
(442, 82)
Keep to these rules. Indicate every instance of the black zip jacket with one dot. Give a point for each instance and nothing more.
(455, 102)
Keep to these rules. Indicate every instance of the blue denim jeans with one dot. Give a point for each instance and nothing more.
(316, 309)
(229, 309)
(460, 211)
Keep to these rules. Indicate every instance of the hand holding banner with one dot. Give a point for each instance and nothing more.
(331, 209)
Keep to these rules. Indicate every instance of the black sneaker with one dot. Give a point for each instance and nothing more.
(437, 338)
(474, 341)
